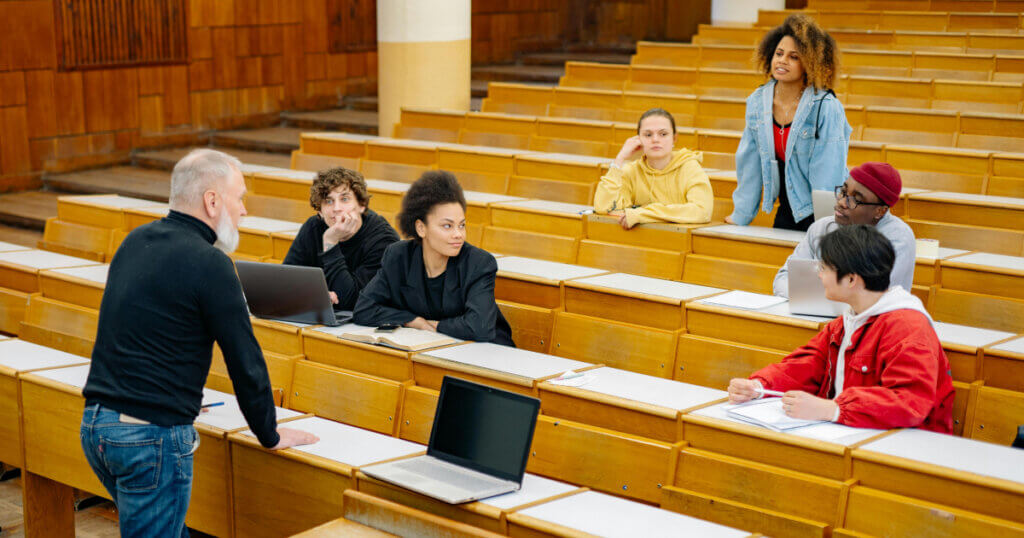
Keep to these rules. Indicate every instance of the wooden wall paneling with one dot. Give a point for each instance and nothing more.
(294, 65)
(250, 71)
(247, 40)
(273, 70)
(316, 66)
(68, 92)
(151, 114)
(15, 156)
(151, 81)
(200, 43)
(225, 64)
(314, 24)
(269, 39)
(337, 66)
(41, 108)
(177, 103)
(28, 36)
(12, 88)
(111, 99)
(200, 76)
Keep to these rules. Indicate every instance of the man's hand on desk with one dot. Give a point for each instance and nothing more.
(290, 438)
(742, 390)
(334, 297)
(422, 324)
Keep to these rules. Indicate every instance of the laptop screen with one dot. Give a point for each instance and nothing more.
(483, 428)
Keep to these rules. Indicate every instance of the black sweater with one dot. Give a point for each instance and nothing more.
(467, 308)
(347, 266)
(169, 295)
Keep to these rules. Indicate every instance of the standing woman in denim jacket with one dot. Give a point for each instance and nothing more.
(797, 136)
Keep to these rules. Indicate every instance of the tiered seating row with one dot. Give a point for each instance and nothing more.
(967, 97)
(933, 21)
(976, 6)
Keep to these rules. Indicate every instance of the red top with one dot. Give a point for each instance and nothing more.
(781, 134)
(897, 375)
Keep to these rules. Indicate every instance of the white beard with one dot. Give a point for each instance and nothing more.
(227, 235)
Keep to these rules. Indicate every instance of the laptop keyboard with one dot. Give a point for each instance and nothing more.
(448, 473)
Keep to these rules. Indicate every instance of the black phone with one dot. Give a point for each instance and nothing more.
(387, 328)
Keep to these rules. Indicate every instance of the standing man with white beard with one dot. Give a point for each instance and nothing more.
(171, 292)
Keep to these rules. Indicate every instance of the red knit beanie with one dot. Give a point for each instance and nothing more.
(881, 179)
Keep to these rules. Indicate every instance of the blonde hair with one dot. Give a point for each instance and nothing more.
(819, 54)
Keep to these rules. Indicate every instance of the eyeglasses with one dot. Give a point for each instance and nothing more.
(852, 202)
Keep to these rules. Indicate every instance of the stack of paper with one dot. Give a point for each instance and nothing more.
(768, 413)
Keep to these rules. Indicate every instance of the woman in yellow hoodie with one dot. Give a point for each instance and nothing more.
(662, 185)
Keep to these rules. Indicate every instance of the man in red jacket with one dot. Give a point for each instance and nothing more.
(879, 365)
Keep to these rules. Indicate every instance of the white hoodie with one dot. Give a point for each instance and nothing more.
(896, 298)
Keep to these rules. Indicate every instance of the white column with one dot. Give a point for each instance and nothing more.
(741, 11)
(423, 57)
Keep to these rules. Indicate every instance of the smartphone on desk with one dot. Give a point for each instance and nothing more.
(387, 328)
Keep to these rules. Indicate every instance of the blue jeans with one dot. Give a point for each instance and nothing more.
(147, 469)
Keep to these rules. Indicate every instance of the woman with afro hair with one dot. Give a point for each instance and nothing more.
(796, 136)
(434, 280)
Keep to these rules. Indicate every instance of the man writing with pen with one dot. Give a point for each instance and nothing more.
(879, 365)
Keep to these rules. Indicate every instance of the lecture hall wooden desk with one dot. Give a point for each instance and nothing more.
(655, 249)
(254, 236)
(282, 243)
(281, 337)
(773, 327)
(971, 209)
(211, 504)
(18, 357)
(652, 302)
(285, 492)
(738, 257)
(590, 513)
(138, 216)
(325, 345)
(504, 367)
(335, 144)
(19, 277)
(536, 282)
(928, 270)
(490, 514)
(626, 401)
(1003, 365)
(981, 272)
(964, 347)
(794, 480)
(100, 210)
(900, 209)
(960, 473)
(540, 216)
(281, 183)
(82, 286)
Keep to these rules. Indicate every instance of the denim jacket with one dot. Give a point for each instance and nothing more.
(815, 153)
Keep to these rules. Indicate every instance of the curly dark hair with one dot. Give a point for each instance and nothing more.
(332, 178)
(433, 188)
(818, 51)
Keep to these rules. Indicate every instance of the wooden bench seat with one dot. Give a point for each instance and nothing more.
(976, 309)
(535, 282)
(636, 348)
(324, 346)
(531, 325)
(712, 362)
(82, 286)
(773, 327)
(906, 515)
(1003, 365)
(995, 414)
(346, 396)
(970, 237)
(964, 347)
(991, 274)
(970, 209)
(79, 240)
(639, 300)
(59, 325)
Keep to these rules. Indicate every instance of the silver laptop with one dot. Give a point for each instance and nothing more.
(478, 446)
(824, 204)
(288, 293)
(806, 293)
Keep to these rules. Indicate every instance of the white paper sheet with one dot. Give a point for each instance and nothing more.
(386, 185)
(340, 329)
(112, 200)
(657, 287)
(613, 517)
(978, 457)
(21, 355)
(41, 259)
(534, 488)
(826, 431)
(92, 273)
(302, 175)
(649, 389)
(250, 169)
(350, 445)
(544, 268)
(489, 198)
(945, 252)
(744, 300)
(768, 413)
(982, 198)
(72, 375)
(229, 416)
(518, 362)
(968, 336)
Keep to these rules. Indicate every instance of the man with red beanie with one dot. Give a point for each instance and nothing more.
(865, 198)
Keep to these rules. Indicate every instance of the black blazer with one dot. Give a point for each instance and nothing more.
(396, 294)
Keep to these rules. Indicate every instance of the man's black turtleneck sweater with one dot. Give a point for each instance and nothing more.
(350, 265)
(169, 295)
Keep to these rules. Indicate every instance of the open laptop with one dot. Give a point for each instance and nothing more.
(478, 446)
(806, 292)
(288, 293)
(824, 203)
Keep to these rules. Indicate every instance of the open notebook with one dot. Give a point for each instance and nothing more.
(404, 338)
(768, 413)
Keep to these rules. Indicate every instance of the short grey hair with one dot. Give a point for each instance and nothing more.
(201, 170)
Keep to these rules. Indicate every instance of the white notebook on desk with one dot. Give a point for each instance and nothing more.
(768, 413)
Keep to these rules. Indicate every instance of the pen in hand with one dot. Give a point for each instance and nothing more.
(212, 404)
